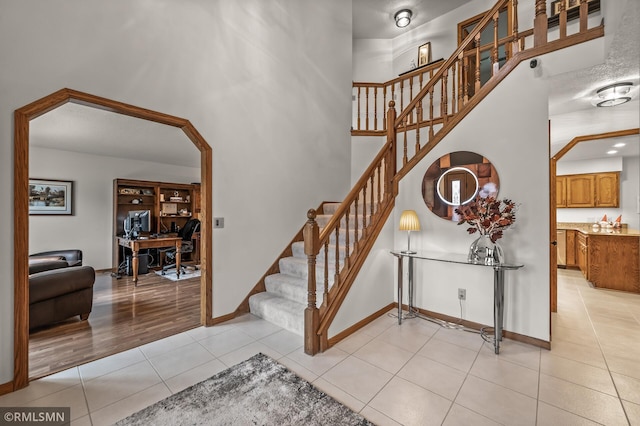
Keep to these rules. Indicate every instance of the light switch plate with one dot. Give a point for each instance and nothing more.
(218, 222)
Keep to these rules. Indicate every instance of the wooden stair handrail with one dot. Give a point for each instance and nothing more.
(357, 187)
(453, 58)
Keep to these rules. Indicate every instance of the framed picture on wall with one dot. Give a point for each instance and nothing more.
(47, 196)
(424, 54)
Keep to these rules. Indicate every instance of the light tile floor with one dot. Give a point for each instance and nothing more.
(414, 374)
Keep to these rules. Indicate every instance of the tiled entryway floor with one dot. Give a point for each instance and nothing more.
(414, 374)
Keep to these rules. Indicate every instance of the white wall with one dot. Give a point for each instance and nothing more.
(373, 288)
(629, 189)
(270, 93)
(513, 136)
(90, 228)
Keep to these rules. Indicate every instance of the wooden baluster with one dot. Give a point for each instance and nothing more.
(515, 45)
(584, 14)
(404, 157)
(326, 273)
(401, 95)
(311, 315)
(336, 278)
(347, 249)
(431, 111)
(375, 108)
(453, 87)
(364, 209)
(410, 96)
(495, 61)
(367, 107)
(444, 108)
(477, 73)
(359, 128)
(384, 102)
(540, 23)
(465, 78)
(356, 225)
(563, 20)
(373, 203)
(418, 120)
(378, 171)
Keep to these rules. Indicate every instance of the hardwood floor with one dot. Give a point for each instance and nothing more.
(123, 317)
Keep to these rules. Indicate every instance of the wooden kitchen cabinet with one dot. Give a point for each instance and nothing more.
(561, 191)
(588, 190)
(571, 248)
(580, 190)
(607, 189)
(614, 262)
(582, 254)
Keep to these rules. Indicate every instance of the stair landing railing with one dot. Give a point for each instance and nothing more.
(453, 90)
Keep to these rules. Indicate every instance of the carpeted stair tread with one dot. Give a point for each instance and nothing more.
(298, 252)
(282, 312)
(290, 287)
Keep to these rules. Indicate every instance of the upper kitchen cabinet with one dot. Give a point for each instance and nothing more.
(589, 190)
(561, 191)
(607, 189)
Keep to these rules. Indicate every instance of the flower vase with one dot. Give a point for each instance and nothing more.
(485, 252)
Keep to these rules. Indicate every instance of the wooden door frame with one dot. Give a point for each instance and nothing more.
(552, 203)
(22, 118)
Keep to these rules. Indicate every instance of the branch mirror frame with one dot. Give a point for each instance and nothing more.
(456, 179)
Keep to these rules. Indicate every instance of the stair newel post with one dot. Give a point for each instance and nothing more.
(311, 235)
(540, 23)
(390, 163)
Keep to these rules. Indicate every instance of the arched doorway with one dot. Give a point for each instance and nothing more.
(22, 118)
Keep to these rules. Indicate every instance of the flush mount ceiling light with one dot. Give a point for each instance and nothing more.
(612, 95)
(403, 18)
(611, 152)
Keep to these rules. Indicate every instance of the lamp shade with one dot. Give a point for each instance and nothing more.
(409, 221)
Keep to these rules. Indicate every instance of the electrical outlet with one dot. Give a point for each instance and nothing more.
(462, 293)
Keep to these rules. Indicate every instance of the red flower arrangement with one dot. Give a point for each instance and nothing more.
(488, 216)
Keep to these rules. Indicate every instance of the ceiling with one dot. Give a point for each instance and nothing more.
(79, 128)
(374, 18)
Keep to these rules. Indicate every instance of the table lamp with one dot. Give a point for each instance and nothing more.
(409, 222)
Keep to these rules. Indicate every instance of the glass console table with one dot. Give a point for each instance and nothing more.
(498, 283)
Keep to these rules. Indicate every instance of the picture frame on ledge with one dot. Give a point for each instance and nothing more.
(424, 54)
(50, 197)
(568, 5)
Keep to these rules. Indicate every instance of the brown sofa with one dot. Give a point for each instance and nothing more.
(58, 291)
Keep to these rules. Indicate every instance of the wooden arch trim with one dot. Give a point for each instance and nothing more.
(553, 294)
(22, 117)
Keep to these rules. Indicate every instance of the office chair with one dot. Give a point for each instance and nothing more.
(186, 233)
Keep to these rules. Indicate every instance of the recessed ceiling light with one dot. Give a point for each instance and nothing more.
(619, 145)
(612, 95)
(403, 18)
(613, 151)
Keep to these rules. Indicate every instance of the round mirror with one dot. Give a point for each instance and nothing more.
(456, 179)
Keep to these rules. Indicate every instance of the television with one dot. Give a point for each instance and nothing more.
(137, 221)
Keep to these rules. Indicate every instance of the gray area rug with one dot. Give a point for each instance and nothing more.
(258, 391)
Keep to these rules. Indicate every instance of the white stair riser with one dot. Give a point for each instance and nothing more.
(298, 252)
(299, 268)
(286, 287)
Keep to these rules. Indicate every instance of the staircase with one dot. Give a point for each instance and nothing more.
(285, 299)
(450, 91)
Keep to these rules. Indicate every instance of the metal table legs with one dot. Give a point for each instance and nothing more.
(498, 306)
(401, 284)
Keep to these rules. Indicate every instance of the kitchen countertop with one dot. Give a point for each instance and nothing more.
(587, 229)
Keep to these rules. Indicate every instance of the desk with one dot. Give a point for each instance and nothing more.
(146, 243)
(498, 284)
